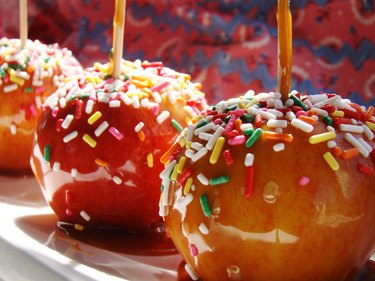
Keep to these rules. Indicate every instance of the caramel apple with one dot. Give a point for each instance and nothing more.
(99, 141)
(261, 189)
(27, 76)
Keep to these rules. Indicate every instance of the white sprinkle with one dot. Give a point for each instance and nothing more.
(331, 144)
(139, 127)
(202, 178)
(114, 103)
(102, 127)
(199, 154)
(190, 132)
(354, 142)
(302, 125)
(279, 147)
(249, 160)
(278, 104)
(205, 136)
(365, 145)
(157, 97)
(267, 115)
(38, 102)
(70, 137)
(203, 229)
(351, 128)
(290, 115)
(62, 102)
(369, 134)
(246, 126)
(191, 272)
(189, 153)
(186, 200)
(37, 83)
(135, 101)
(331, 129)
(317, 98)
(85, 216)
(279, 130)
(73, 172)
(289, 102)
(162, 116)
(67, 121)
(190, 111)
(275, 112)
(117, 180)
(10, 88)
(125, 99)
(320, 112)
(253, 110)
(89, 106)
(353, 121)
(308, 103)
(13, 129)
(196, 146)
(165, 194)
(277, 123)
(212, 141)
(205, 128)
(56, 166)
(167, 171)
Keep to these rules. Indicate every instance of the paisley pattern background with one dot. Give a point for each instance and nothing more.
(228, 45)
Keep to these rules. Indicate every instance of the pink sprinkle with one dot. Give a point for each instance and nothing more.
(68, 212)
(196, 110)
(303, 181)
(116, 133)
(218, 121)
(55, 111)
(160, 87)
(6, 79)
(33, 110)
(193, 250)
(239, 112)
(39, 90)
(301, 112)
(238, 140)
(231, 125)
(155, 110)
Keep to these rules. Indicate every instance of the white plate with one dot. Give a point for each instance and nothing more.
(33, 248)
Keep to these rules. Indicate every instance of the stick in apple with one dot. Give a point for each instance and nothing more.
(23, 23)
(118, 37)
(284, 28)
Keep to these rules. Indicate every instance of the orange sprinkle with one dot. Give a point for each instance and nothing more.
(337, 151)
(141, 135)
(356, 107)
(101, 162)
(307, 119)
(168, 154)
(370, 112)
(238, 125)
(312, 112)
(350, 153)
(277, 137)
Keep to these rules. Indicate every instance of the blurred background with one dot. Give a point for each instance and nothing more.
(229, 46)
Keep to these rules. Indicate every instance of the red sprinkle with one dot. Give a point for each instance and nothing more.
(68, 197)
(228, 158)
(258, 121)
(59, 124)
(68, 212)
(366, 169)
(249, 181)
(233, 134)
(352, 114)
(329, 108)
(185, 174)
(78, 112)
(338, 121)
(296, 108)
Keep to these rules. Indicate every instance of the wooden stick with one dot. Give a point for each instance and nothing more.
(118, 37)
(284, 28)
(23, 23)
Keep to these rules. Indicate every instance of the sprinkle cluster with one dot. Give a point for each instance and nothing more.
(243, 121)
(27, 70)
(147, 85)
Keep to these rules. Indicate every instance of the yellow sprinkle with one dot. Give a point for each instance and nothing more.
(242, 105)
(17, 80)
(187, 186)
(331, 161)
(140, 78)
(322, 137)
(89, 140)
(188, 144)
(150, 160)
(217, 150)
(93, 118)
(174, 173)
(370, 125)
(181, 100)
(91, 79)
(183, 142)
(181, 164)
(79, 227)
(141, 135)
(252, 102)
(147, 91)
(338, 113)
(139, 84)
(101, 162)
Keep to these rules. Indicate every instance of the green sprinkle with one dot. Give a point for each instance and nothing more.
(73, 97)
(226, 119)
(85, 96)
(202, 123)
(2, 72)
(107, 76)
(205, 206)
(126, 78)
(46, 60)
(17, 66)
(254, 137)
(231, 108)
(28, 90)
(299, 103)
(219, 180)
(247, 118)
(47, 152)
(327, 120)
(161, 188)
(111, 52)
(177, 126)
(248, 132)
